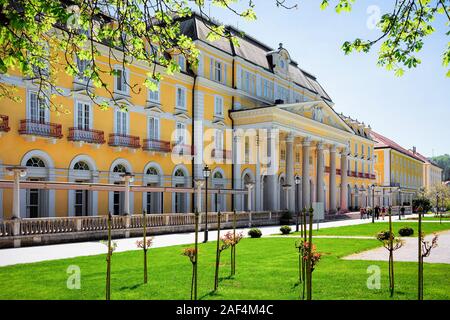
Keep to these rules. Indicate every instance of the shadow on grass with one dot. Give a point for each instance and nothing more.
(136, 286)
(212, 293)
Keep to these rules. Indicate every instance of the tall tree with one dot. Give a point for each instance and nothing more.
(444, 162)
(39, 38)
(403, 30)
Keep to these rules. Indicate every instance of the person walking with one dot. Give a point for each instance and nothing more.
(377, 212)
(361, 212)
(383, 212)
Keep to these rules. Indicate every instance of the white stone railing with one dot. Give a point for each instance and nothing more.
(396, 209)
(59, 225)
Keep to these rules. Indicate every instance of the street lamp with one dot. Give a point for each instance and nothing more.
(206, 173)
(297, 182)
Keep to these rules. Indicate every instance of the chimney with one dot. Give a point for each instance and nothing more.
(414, 150)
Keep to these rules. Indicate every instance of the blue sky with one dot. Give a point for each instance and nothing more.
(413, 110)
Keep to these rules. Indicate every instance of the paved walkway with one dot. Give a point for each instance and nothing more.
(440, 254)
(71, 250)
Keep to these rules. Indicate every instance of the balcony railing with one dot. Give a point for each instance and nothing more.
(338, 171)
(221, 154)
(372, 176)
(182, 149)
(89, 136)
(156, 145)
(123, 140)
(360, 175)
(43, 129)
(4, 123)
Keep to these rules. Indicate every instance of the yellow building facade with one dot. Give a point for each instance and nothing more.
(402, 173)
(250, 113)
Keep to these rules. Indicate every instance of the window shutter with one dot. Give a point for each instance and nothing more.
(211, 68)
(33, 107)
(200, 67)
(225, 73)
(258, 85)
(156, 128)
(79, 115)
(239, 77)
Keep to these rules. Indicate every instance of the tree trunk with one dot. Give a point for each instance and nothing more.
(196, 256)
(216, 275)
(108, 261)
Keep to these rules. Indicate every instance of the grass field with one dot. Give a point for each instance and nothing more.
(371, 229)
(266, 269)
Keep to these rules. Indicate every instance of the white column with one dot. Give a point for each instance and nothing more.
(306, 192)
(199, 184)
(290, 192)
(249, 196)
(17, 173)
(272, 170)
(344, 179)
(332, 181)
(320, 173)
(258, 176)
(127, 178)
(16, 195)
(126, 209)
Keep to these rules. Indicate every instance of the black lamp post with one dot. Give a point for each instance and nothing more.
(206, 173)
(297, 209)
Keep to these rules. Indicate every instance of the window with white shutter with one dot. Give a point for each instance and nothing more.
(218, 106)
(82, 66)
(121, 80)
(181, 98)
(218, 139)
(37, 108)
(154, 95)
(121, 122)
(83, 118)
(181, 133)
(153, 128)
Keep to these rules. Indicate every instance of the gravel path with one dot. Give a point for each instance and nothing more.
(440, 254)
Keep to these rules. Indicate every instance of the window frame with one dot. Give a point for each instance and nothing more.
(216, 106)
(184, 90)
(125, 88)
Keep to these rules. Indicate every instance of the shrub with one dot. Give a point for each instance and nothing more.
(383, 235)
(285, 229)
(255, 233)
(406, 231)
(285, 218)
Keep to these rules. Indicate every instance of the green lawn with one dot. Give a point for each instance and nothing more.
(266, 269)
(371, 229)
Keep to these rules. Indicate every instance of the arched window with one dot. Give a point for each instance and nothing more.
(81, 165)
(35, 162)
(152, 171)
(218, 175)
(120, 168)
(179, 173)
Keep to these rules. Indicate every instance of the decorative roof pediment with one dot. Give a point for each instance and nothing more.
(181, 115)
(219, 122)
(154, 107)
(318, 111)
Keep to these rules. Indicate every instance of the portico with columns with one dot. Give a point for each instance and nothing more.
(292, 140)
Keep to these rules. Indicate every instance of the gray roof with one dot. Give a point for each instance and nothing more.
(249, 49)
